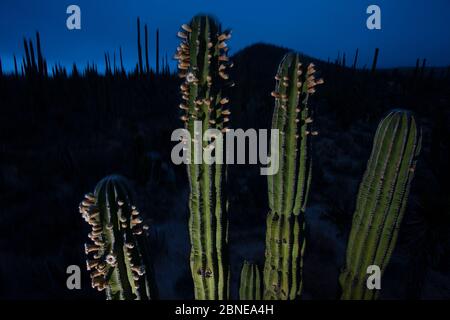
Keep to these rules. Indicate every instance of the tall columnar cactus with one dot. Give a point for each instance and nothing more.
(140, 66)
(118, 256)
(203, 63)
(250, 284)
(288, 188)
(381, 202)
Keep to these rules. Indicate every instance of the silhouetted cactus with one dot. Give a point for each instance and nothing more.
(16, 70)
(139, 46)
(41, 61)
(250, 282)
(157, 51)
(288, 188)
(355, 60)
(33, 58)
(122, 68)
(147, 64)
(107, 64)
(381, 202)
(375, 60)
(27, 59)
(202, 57)
(118, 256)
(30, 66)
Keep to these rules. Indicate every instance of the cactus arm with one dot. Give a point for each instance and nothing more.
(244, 282)
(288, 189)
(381, 202)
(370, 194)
(115, 259)
(284, 120)
(203, 60)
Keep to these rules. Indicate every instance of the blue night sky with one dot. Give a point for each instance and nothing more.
(320, 28)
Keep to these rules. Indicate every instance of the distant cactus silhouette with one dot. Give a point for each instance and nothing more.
(375, 60)
(147, 65)
(30, 65)
(139, 47)
(16, 70)
(355, 61)
(122, 68)
(157, 51)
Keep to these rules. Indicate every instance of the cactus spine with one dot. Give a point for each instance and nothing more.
(288, 189)
(203, 61)
(250, 284)
(381, 202)
(118, 254)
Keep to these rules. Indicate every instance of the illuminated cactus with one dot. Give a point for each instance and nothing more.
(118, 256)
(381, 202)
(203, 62)
(288, 188)
(250, 284)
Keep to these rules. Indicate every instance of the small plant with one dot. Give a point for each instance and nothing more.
(381, 202)
(250, 284)
(118, 255)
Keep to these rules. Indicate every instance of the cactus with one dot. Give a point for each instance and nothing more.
(30, 65)
(16, 70)
(381, 202)
(122, 68)
(288, 189)
(118, 258)
(375, 60)
(147, 63)
(202, 61)
(355, 60)
(157, 51)
(139, 46)
(250, 284)
(40, 57)
(27, 59)
(33, 58)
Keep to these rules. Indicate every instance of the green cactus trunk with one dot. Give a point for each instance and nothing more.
(381, 202)
(250, 284)
(118, 258)
(288, 189)
(203, 63)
